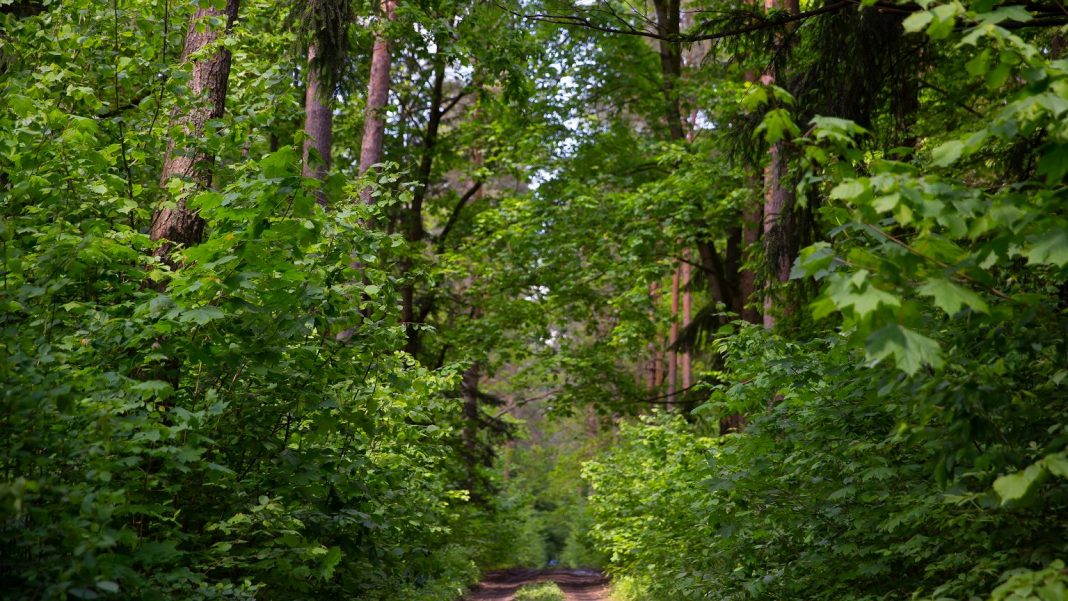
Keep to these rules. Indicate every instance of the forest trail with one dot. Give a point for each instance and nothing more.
(578, 585)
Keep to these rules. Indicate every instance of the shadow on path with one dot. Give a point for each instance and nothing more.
(578, 585)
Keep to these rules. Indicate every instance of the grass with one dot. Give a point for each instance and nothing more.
(542, 591)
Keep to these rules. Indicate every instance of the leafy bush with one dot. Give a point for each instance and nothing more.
(195, 430)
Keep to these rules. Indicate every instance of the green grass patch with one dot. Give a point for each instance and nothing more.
(542, 591)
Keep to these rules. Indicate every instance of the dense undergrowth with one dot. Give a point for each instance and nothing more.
(905, 438)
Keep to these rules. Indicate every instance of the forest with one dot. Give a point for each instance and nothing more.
(640, 300)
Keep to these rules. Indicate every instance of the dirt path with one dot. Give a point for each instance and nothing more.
(578, 585)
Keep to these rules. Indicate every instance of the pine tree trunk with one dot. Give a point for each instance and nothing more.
(778, 201)
(186, 158)
(318, 126)
(377, 98)
(687, 318)
(673, 354)
(667, 25)
(778, 196)
(654, 366)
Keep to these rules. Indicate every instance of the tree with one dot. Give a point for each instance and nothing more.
(377, 95)
(186, 157)
(318, 124)
(778, 193)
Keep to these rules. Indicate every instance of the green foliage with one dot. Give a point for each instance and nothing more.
(545, 591)
(195, 430)
(239, 421)
(856, 482)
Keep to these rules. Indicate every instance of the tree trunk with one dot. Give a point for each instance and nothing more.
(778, 201)
(318, 126)
(778, 196)
(23, 8)
(377, 97)
(415, 232)
(654, 376)
(673, 354)
(469, 391)
(687, 318)
(752, 219)
(186, 158)
(667, 25)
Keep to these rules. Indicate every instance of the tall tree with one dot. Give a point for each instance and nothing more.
(778, 194)
(687, 319)
(673, 353)
(318, 123)
(377, 95)
(415, 232)
(186, 156)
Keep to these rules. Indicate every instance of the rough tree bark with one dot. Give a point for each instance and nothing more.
(318, 125)
(673, 353)
(654, 368)
(377, 97)
(687, 318)
(185, 159)
(778, 195)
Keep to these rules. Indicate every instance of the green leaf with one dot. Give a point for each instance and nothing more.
(1015, 486)
(951, 297)
(1054, 163)
(150, 388)
(1050, 248)
(201, 316)
(848, 190)
(909, 349)
(330, 562)
(1007, 13)
(107, 586)
(947, 154)
(858, 294)
(816, 260)
(1057, 464)
(917, 21)
(979, 64)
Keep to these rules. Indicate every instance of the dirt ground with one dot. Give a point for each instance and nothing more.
(578, 585)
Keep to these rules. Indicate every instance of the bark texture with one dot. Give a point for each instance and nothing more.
(673, 353)
(778, 194)
(185, 156)
(778, 202)
(687, 319)
(318, 125)
(377, 98)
